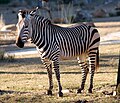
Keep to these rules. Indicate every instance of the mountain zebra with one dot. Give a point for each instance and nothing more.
(54, 43)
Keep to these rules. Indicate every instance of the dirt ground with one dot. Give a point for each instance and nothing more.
(24, 80)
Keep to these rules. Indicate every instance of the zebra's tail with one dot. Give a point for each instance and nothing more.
(97, 60)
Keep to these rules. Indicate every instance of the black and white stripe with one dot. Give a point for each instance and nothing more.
(54, 43)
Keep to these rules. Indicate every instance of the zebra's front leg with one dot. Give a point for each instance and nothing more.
(84, 70)
(48, 66)
(57, 73)
(49, 70)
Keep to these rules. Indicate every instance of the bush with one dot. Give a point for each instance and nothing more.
(2, 54)
(9, 57)
(6, 57)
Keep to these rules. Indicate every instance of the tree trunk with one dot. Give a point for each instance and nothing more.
(118, 80)
(118, 75)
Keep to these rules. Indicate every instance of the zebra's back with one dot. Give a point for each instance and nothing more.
(74, 41)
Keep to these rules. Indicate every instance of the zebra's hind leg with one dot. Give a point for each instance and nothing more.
(84, 70)
(92, 67)
(57, 73)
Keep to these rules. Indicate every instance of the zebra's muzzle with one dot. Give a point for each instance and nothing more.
(19, 43)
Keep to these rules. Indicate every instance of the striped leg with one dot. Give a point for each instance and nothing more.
(57, 73)
(92, 65)
(49, 71)
(84, 70)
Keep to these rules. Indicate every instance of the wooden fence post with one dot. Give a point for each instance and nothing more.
(118, 75)
(118, 79)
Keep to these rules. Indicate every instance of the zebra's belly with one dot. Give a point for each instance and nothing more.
(67, 57)
(82, 56)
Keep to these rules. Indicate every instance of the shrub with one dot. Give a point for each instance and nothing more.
(2, 54)
(7, 57)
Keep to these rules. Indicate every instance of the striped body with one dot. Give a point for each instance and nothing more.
(54, 43)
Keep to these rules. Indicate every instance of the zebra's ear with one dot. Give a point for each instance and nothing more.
(33, 12)
(22, 13)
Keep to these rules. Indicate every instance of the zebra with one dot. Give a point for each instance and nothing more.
(54, 43)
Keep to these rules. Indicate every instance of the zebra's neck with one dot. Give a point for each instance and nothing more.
(41, 32)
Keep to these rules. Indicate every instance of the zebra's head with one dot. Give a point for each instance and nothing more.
(24, 27)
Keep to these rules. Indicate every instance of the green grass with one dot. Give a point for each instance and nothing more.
(25, 80)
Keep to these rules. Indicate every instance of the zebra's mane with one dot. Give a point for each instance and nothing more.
(43, 19)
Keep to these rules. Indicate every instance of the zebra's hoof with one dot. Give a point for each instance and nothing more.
(60, 94)
(89, 90)
(49, 92)
(79, 91)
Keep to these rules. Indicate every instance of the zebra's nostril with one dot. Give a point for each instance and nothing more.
(19, 43)
(26, 26)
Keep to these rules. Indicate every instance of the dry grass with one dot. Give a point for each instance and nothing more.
(105, 28)
(25, 80)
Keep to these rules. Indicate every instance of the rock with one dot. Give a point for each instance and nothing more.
(114, 93)
(118, 12)
(65, 91)
(118, 5)
(99, 13)
(58, 20)
(82, 16)
(90, 24)
(117, 9)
